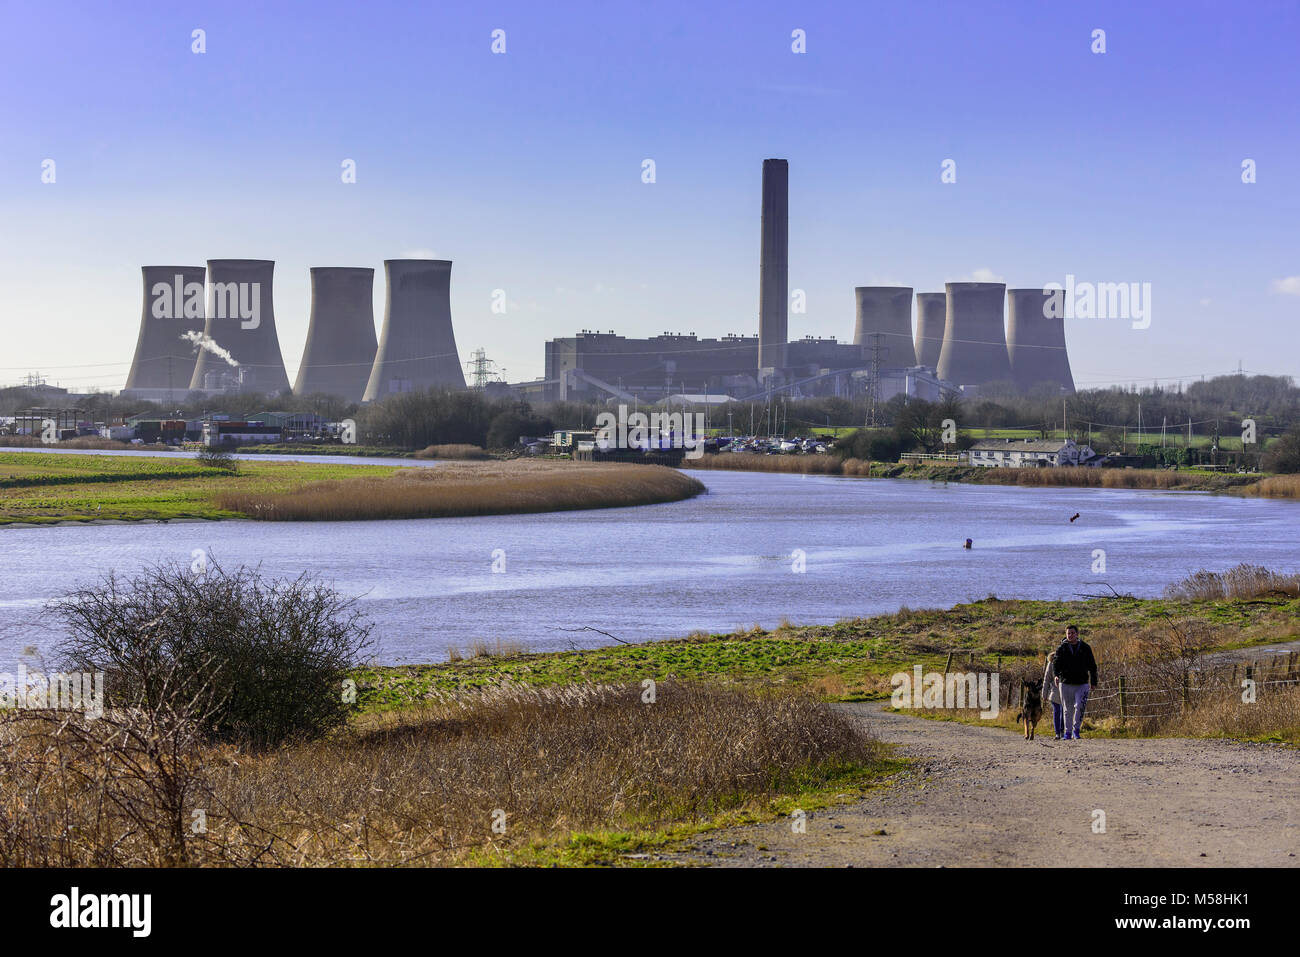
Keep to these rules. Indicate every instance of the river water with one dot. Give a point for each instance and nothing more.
(721, 561)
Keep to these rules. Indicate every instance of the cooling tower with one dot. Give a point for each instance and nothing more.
(341, 345)
(417, 348)
(164, 359)
(885, 310)
(931, 317)
(1035, 341)
(974, 339)
(241, 321)
(774, 266)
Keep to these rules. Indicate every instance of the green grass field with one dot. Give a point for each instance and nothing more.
(849, 660)
(41, 488)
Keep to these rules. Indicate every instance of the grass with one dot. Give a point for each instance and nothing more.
(853, 659)
(470, 488)
(579, 775)
(43, 488)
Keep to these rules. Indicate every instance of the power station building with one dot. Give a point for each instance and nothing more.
(341, 343)
(173, 315)
(1036, 341)
(417, 348)
(240, 348)
(959, 342)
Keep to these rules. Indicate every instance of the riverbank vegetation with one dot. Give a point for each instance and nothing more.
(38, 488)
(470, 488)
(229, 734)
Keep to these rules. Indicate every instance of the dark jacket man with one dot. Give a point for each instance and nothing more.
(1075, 664)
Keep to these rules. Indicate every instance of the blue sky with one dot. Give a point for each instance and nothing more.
(525, 168)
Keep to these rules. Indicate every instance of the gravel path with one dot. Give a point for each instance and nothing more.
(985, 796)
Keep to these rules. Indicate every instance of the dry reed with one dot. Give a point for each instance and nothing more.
(427, 786)
(470, 489)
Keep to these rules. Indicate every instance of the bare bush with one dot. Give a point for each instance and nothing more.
(255, 661)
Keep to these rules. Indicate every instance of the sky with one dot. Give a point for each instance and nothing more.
(526, 167)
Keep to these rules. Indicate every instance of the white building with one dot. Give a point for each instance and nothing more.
(1029, 453)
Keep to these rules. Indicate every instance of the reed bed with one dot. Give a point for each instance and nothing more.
(1083, 477)
(1275, 486)
(452, 452)
(465, 489)
(471, 777)
(1240, 581)
(753, 462)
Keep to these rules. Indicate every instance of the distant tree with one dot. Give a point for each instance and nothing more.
(1283, 453)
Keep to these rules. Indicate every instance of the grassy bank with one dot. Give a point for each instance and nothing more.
(470, 488)
(1191, 480)
(853, 659)
(38, 488)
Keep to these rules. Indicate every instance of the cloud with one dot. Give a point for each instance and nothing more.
(419, 254)
(984, 274)
(1290, 286)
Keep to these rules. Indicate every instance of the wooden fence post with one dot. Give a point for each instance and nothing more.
(1185, 680)
(1123, 700)
(947, 664)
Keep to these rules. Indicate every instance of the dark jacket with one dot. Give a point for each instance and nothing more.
(1076, 665)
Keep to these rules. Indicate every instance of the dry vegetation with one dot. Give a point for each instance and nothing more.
(455, 452)
(1275, 486)
(81, 442)
(1241, 581)
(752, 462)
(416, 787)
(460, 489)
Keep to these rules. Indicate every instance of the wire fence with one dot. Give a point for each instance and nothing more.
(1159, 690)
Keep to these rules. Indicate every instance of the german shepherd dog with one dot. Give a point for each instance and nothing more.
(1032, 710)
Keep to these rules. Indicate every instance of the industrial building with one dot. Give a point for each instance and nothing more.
(173, 314)
(974, 335)
(1036, 341)
(240, 349)
(417, 348)
(960, 342)
(341, 344)
(883, 321)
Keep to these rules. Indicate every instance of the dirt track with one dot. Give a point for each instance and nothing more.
(985, 796)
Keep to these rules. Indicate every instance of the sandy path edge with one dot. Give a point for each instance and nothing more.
(984, 796)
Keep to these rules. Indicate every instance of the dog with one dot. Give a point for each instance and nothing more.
(1031, 711)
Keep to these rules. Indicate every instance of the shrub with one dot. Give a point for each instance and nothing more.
(254, 662)
(216, 457)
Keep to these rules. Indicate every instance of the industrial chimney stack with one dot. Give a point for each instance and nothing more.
(774, 268)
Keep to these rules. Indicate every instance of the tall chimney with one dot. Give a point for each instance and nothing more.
(774, 266)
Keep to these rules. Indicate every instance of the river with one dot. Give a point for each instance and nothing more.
(721, 561)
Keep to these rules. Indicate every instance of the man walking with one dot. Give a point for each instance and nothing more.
(1076, 673)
